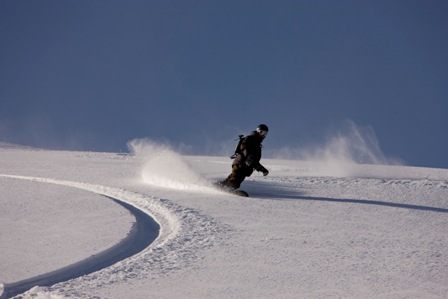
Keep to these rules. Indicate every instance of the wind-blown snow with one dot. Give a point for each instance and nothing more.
(375, 232)
(341, 152)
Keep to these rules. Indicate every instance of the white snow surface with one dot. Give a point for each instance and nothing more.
(310, 229)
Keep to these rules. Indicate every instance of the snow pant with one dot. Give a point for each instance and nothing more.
(239, 173)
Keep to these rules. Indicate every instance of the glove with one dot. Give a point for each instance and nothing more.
(265, 172)
(249, 161)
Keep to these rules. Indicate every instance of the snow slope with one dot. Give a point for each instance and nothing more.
(309, 230)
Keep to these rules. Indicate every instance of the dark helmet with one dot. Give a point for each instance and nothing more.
(262, 130)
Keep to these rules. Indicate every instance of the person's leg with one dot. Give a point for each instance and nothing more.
(235, 179)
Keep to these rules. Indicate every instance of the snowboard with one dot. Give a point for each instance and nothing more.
(240, 193)
(231, 191)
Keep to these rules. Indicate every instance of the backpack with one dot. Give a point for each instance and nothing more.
(240, 139)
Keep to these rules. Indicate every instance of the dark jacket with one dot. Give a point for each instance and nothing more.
(250, 154)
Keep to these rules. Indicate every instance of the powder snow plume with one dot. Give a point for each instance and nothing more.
(163, 167)
(347, 146)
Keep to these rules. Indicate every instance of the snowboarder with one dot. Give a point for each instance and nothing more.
(247, 158)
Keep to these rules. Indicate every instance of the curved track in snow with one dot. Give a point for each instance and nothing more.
(144, 232)
(183, 233)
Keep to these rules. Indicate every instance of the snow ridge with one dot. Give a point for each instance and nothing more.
(182, 232)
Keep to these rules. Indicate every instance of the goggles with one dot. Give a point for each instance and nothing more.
(262, 133)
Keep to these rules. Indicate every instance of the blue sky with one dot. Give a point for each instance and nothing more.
(91, 75)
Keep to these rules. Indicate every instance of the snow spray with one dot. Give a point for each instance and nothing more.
(163, 167)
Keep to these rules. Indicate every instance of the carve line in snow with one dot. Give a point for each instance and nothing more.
(145, 231)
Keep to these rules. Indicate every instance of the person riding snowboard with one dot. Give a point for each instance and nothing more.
(247, 158)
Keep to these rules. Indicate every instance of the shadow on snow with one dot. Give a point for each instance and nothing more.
(269, 192)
